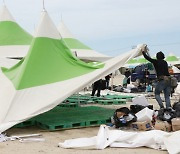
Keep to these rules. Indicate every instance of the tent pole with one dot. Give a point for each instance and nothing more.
(43, 5)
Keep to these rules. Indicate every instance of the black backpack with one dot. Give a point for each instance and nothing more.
(136, 108)
(176, 107)
(166, 114)
(125, 119)
(174, 82)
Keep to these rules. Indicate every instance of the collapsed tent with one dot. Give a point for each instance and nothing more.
(47, 76)
(7, 62)
(14, 41)
(155, 139)
(79, 49)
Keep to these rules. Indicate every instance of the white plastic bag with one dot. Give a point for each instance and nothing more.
(140, 100)
(145, 115)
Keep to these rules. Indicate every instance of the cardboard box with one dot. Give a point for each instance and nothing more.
(175, 124)
(163, 125)
(145, 125)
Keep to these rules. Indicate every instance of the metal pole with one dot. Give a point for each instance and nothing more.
(43, 6)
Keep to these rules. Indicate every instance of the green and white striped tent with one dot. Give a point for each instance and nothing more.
(14, 41)
(47, 76)
(79, 49)
(172, 59)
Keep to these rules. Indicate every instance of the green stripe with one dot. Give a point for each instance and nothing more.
(12, 34)
(75, 44)
(171, 58)
(48, 61)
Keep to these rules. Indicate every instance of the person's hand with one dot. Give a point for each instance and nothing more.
(142, 50)
(145, 48)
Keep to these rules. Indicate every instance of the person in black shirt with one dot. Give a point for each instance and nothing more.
(126, 79)
(97, 86)
(107, 78)
(162, 73)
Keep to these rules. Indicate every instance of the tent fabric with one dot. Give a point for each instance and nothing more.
(14, 41)
(172, 60)
(171, 57)
(20, 73)
(79, 49)
(175, 69)
(172, 142)
(47, 76)
(5, 15)
(13, 34)
(13, 51)
(6, 62)
(155, 139)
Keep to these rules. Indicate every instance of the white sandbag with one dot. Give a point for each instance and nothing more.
(140, 100)
(145, 115)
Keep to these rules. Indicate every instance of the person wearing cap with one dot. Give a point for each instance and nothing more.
(162, 73)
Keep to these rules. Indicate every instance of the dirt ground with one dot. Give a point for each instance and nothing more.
(50, 145)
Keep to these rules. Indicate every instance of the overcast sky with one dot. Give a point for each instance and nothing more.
(111, 27)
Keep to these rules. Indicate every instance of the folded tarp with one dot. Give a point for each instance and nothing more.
(155, 139)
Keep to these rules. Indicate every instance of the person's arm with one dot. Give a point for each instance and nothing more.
(147, 57)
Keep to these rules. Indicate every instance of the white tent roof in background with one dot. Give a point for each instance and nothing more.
(46, 28)
(14, 41)
(172, 59)
(78, 48)
(5, 15)
(64, 31)
(5, 62)
(24, 93)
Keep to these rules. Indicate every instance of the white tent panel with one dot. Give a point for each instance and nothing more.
(5, 62)
(91, 55)
(14, 50)
(29, 102)
(155, 139)
(5, 15)
(84, 54)
(64, 31)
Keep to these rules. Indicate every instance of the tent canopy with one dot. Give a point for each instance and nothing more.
(79, 49)
(14, 41)
(47, 75)
(172, 59)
